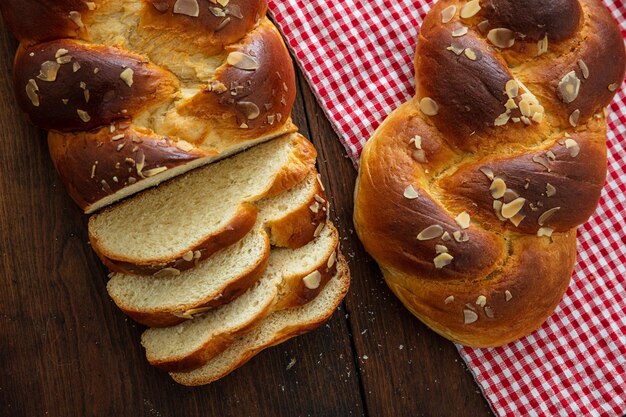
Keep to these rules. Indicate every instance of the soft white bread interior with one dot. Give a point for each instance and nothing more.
(200, 212)
(292, 278)
(277, 328)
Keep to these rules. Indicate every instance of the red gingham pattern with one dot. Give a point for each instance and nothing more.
(358, 58)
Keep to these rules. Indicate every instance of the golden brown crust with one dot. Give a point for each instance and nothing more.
(98, 163)
(227, 82)
(33, 21)
(95, 88)
(520, 187)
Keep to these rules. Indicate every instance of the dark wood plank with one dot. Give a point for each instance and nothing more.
(406, 369)
(65, 349)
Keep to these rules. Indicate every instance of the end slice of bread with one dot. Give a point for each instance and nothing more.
(277, 328)
(293, 275)
(200, 212)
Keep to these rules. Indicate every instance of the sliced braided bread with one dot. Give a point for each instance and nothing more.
(134, 92)
(293, 277)
(199, 213)
(277, 328)
(166, 298)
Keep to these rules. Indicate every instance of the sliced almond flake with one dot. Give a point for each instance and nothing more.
(223, 24)
(545, 231)
(583, 68)
(470, 9)
(542, 161)
(551, 156)
(77, 19)
(502, 120)
(573, 147)
(442, 260)
(449, 299)
(188, 256)
(127, 76)
(166, 273)
(84, 116)
(457, 50)
(488, 172)
(249, 109)
(569, 87)
(315, 207)
(542, 46)
(550, 190)
(470, 54)
(446, 237)
(319, 199)
(448, 13)
(154, 171)
(319, 181)
(183, 145)
(431, 232)
(463, 220)
(319, 229)
(417, 141)
(91, 5)
(429, 107)
(469, 317)
(489, 312)
(574, 118)
(441, 249)
(75, 66)
(458, 236)
(462, 31)
(547, 215)
(410, 193)
(419, 156)
(510, 104)
(217, 12)
(31, 91)
(60, 52)
(507, 295)
(197, 254)
(242, 61)
(331, 261)
(501, 37)
(512, 88)
(483, 26)
(613, 87)
(511, 209)
(65, 59)
(49, 71)
(313, 280)
(497, 188)
(481, 300)
(187, 8)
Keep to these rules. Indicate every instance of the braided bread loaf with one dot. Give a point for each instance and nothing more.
(469, 195)
(136, 92)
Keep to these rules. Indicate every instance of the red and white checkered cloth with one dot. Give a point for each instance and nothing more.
(358, 58)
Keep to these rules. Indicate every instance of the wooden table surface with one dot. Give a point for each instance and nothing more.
(66, 350)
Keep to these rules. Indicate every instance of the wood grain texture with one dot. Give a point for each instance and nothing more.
(66, 350)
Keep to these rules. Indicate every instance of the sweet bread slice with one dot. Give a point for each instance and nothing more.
(198, 213)
(293, 277)
(163, 299)
(277, 328)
